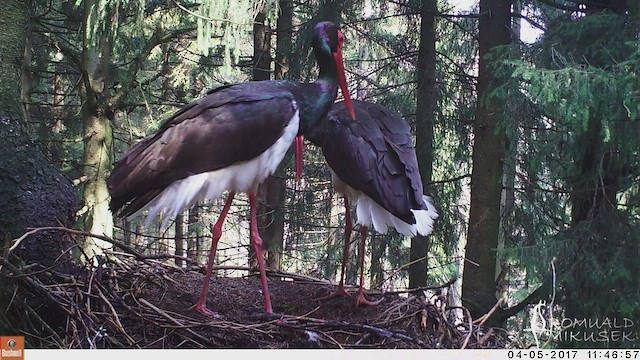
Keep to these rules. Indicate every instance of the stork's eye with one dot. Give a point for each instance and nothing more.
(340, 38)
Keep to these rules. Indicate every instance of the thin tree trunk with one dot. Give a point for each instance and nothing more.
(275, 185)
(479, 278)
(425, 111)
(335, 240)
(195, 233)
(352, 270)
(284, 37)
(272, 220)
(262, 71)
(138, 239)
(179, 238)
(127, 232)
(378, 248)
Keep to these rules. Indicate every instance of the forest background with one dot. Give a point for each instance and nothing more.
(525, 116)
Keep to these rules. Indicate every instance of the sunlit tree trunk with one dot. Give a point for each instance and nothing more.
(479, 278)
(95, 215)
(96, 161)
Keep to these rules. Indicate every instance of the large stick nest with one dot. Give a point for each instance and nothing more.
(134, 301)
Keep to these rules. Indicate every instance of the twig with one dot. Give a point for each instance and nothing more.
(422, 288)
(481, 320)
(138, 255)
(466, 339)
(174, 321)
(117, 318)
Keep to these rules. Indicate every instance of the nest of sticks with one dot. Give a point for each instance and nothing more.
(131, 300)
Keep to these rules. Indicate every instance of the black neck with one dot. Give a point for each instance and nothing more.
(315, 100)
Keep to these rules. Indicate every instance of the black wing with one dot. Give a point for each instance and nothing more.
(375, 155)
(231, 124)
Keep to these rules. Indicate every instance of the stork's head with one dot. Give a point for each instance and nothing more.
(328, 38)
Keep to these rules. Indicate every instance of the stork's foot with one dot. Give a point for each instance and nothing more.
(340, 291)
(202, 308)
(361, 300)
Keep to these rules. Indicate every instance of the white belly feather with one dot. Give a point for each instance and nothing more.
(240, 177)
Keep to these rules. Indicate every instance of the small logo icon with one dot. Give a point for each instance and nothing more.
(12, 343)
(11, 347)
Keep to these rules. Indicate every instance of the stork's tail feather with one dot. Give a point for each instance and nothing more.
(369, 212)
(425, 218)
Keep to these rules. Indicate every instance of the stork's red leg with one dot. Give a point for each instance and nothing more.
(345, 254)
(257, 248)
(360, 299)
(216, 233)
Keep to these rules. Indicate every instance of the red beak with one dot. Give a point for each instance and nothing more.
(342, 79)
(297, 155)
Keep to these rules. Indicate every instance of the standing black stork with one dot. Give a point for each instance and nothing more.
(230, 140)
(373, 162)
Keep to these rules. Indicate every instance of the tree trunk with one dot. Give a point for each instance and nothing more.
(425, 111)
(284, 40)
(509, 183)
(272, 220)
(138, 240)
(127, 235)
(352, 271)
(194, 237)
(179, 238)
(479, 278)
(33, 193)
(97, 138)
(335, 239)
(378, 247)
(26, 82)
(261, 48)
(13, 14)
(96, 216)
(262, 71)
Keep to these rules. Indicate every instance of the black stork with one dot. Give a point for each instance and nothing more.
(229, 140)
(373, 162)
